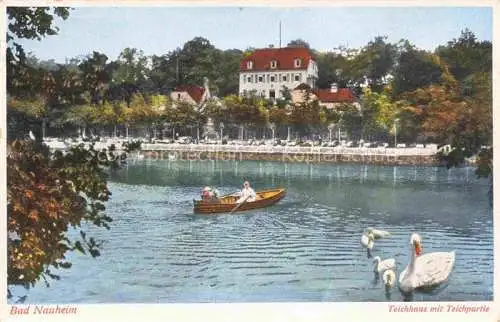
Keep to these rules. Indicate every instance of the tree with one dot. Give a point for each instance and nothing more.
(415, 69)
(378, 113)
(49, 193)
(23, 114)
(198, 59)
(351, 119)
(466, 55)
(69, 85)
(145, 113)
(245, 111)
(333, 67)
(29, 23)
(129, 74)
(448, 118)
(305, 116)
(298, 43)
(183, 115)
(376, 60)
(96, 76)
(278, 116)
(109, 115)
(163, 72)
(82, 116)
(25, 82)
(227, 80)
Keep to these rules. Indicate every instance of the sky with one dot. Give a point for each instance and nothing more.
(158, 30)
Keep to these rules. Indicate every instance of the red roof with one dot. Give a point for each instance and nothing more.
(284, 57)
(196, 92)
(343, 95)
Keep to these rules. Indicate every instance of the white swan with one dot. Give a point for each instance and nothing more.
(389, 277)
(383, 265)
(427, 270)
(367, 240)
(377, 234)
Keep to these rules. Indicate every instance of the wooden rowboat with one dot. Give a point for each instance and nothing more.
(228, 202)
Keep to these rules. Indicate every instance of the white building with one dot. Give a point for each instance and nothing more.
(267, 71)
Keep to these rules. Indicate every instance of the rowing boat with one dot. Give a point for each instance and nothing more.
(228, 202)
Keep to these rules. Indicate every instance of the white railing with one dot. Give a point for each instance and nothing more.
(339, 150)
(288, 149)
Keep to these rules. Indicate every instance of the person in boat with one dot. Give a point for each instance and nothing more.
(247, 194)
(205, 194)
(210, 194)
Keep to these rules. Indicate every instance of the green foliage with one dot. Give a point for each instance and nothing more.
(301, 43)
(134, 145)
(286, 94)
(29, 23)
(335, 68)
(96, 75)
(466, 55)
(376, 60)
(183, 114)
(415, 69)
(442, 96)
(49, 194)
(245, 111)
(380, 107)
(351, 120)
(305, 116)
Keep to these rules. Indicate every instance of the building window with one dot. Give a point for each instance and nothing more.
(249, 64)
(297, 77)
(283, 78)
(178, 96)
(273, 79)
(272, 94)
(274, 64)
(261, 79)
(296, 62)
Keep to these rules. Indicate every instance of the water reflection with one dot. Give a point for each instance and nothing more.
(388, 294)
(305, 248)
(399, 175)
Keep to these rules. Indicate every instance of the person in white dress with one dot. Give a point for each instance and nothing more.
(247, 194)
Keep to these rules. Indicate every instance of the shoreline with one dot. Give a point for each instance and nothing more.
(309, 155)
(289, 154)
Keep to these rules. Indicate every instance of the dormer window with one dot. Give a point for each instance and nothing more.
(249, 64)
(297, 62)
(274, 64)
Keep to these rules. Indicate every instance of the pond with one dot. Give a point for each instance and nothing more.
(305, 248)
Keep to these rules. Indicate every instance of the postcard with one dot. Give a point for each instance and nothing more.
(256, 162)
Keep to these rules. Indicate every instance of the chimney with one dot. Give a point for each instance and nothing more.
(333, 88)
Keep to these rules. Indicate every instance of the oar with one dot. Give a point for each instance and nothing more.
(232, 194)
(235, 208)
